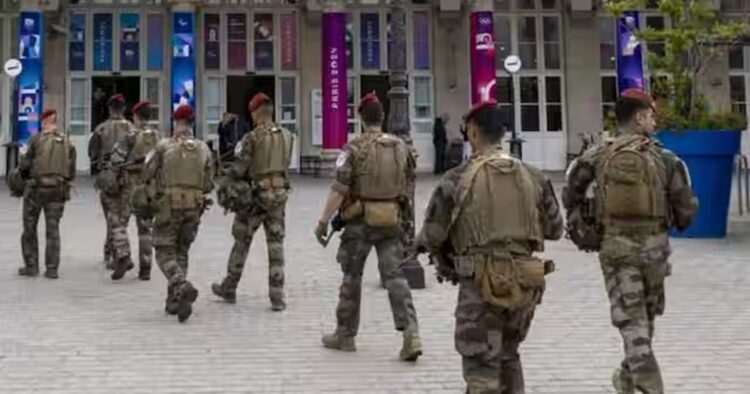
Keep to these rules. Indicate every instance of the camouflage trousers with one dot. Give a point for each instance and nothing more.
(243, 230)
(634, 270)
(118, 215)
(172, 239)
(356, 242)
(34, 202)
(108, 252)
(487, 338)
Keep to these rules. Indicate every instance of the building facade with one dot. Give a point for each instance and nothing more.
(93, 48)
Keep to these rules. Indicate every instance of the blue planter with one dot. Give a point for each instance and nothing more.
(709, 156)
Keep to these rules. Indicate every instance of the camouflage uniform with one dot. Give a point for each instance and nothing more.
(115, 205)
(487, 335)
(128, 157)
(179, 206)
(359, 238)
(47, 190)
(268, 208)
(633, 258)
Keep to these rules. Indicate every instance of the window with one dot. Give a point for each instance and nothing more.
(503, 45)
(607, 45)
(237, 41)
(349, 41)
(77, 42)
(553, 96)
(370, 40)
(527, 42)
(609, 95)
(130, 50)
(656, 22)
(214, 91)
(288, 41)
(103, 42)
(551, 34)
(79, 106)
(421, 37)
(504, 95)
(263, 40)
(153, 94)
(530, 104)
(155, 42)
(423, 114)
(351, 104)
(211, 41)
(288, 118)
(737, 94)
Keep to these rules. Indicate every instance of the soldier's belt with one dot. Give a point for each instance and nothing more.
(272, 182)
(184, 198)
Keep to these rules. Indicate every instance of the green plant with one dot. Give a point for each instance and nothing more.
(695, 39)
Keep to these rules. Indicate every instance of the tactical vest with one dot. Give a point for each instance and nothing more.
(183, 172)
(381, 168)
(145, 140)
(112, 131)
(497, 201)
(272, 152)
(632, 182)
(51, 162)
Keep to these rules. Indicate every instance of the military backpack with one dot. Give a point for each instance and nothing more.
(184, 172)
(51, 162)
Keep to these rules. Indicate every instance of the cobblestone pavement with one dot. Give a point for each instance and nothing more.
(85, 334)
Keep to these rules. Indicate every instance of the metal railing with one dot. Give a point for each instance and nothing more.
(743, 194)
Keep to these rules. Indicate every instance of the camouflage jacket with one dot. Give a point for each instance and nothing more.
(129, 153)
(104, 138)
(436, 228)
(682, 204)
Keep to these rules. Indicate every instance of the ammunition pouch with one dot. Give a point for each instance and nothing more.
(586, 234)
(183, 198)
(270, 192)
(381, 213)
(499, 281)
(143, 200)
(352, 211)
(234, 196)
(108, 181)
(16, 183)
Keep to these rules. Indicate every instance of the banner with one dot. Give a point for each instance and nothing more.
(77, 42)
(334, 80)
(370, 41)
(629, 56)
(30, 47)
(482, 54)
(288, 41)
(183, 59)
(130, 54)
(102, 42)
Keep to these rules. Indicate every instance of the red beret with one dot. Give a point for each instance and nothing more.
(182, 112)
(116, 99)
(638, 94)
(369, 98)
(46, 114)
(478, 107)
(141, 104)
(258, 100)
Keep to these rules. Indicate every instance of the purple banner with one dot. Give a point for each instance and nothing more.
(629, 56)
(334, 80)
(482, 51)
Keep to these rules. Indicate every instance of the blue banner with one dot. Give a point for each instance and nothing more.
(370, 40)
(30, 47)
(130, 57)
(103, 42)
(77, 42)
(629, 53)
(183, 59)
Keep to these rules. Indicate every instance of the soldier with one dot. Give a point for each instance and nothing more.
(127, 160)
(101, 144)
(180, 170)
(641, 191)
(262, 160)
(484, 221)
(371, 187)
(49, 165)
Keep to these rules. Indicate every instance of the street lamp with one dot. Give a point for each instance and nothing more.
(399, 124)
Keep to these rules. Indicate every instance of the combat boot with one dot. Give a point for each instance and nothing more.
(121, 267)
(278, 305)
(187, 296)
(339, 342)
(221, 290)
(621, 383)
(28, 271)
(171, 303)
(412, 347)
(144, 274)
(51, 273)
